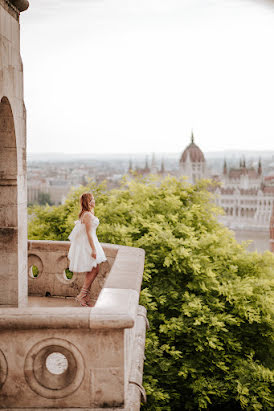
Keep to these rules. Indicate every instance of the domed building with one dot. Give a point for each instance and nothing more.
(192, 163)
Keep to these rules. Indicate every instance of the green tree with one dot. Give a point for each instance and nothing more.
(209, 300)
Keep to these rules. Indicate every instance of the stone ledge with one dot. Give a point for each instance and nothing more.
(62, 318)
(52, 245)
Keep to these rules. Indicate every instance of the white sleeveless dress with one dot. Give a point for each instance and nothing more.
(80, 250)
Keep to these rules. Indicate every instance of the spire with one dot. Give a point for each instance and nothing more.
(244, 165)
(130, 169)
(241, 164)
(225, 167)
(146, 164)
(153, 164)
(192, 137)
(260, 167)
(162, 166)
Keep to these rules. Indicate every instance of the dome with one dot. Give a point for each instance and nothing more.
(194, 153)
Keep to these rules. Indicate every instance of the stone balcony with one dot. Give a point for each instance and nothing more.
(56, 354)
(53, 353)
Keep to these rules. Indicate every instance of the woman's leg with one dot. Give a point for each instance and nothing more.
(94, 272)
(90, 277)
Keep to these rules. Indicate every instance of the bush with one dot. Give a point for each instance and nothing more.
(209, 301)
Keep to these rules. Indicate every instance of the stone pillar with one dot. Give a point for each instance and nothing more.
(13, 187)
(271, 230)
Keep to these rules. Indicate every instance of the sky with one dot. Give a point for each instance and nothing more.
(125, 76)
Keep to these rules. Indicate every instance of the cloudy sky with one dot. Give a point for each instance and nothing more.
(117, 76)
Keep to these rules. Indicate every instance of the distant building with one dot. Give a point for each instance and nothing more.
(271, 231)
(192, 163)
(148, 168)
(245, 194)
(57, 191)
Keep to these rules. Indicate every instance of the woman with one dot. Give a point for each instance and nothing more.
(85, 253)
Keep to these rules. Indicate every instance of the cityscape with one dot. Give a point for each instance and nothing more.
(245, 190)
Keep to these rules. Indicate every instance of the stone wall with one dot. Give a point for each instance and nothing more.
(13, 189)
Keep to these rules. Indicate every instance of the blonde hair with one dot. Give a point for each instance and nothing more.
(85, 200)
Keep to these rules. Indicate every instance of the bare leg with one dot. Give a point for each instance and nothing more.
(90, 277)
(95, 272)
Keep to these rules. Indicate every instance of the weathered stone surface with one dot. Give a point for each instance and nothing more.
(13, 216)
(101, 341)
(128, 268)
(52, 261)
(9, 240)
(8, 279)
(136, 392)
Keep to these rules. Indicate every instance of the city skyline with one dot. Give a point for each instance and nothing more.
(137, 77)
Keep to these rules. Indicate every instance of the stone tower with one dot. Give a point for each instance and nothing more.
(13, 190)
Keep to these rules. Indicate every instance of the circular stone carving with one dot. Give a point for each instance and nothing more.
(3, 369)
(62, 265)
(47, 384)
(34, 260)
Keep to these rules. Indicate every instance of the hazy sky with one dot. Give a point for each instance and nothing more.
(138, 75)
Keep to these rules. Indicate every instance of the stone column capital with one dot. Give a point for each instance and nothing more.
(20, 5)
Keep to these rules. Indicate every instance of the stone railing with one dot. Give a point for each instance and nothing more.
(48, 270)
(101, 347)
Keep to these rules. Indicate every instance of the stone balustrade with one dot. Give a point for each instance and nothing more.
(100, 348)
(48, 259)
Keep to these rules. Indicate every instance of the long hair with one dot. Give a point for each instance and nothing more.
(85, 200)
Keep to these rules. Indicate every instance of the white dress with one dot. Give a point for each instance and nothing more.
(80, 250)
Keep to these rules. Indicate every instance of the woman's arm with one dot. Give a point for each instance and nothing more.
(88, 223)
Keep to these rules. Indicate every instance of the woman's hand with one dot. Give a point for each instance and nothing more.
(93, 254)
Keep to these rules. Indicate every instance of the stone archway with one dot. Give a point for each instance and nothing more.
(8, 206)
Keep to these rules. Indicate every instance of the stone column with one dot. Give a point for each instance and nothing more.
(13, 194)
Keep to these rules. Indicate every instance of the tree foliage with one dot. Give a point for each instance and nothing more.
(209, 300)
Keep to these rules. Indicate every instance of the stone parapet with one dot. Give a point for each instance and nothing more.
(122, 270)
(49, 260)
(103, 346)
